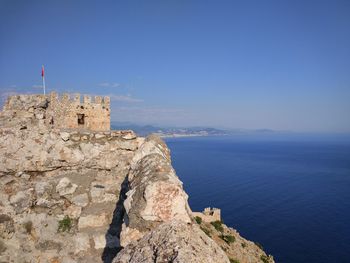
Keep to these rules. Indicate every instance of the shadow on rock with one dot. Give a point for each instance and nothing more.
(113, 233)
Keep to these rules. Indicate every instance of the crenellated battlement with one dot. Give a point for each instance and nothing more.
(66, 111)
(77, 98)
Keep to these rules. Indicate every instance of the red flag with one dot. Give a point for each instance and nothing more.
(42, 71)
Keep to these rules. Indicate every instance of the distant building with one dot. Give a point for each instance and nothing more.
(209, 214)
(64, 112)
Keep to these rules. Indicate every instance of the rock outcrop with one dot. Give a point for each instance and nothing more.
(174, 241)
(73, 196)
(156, 194)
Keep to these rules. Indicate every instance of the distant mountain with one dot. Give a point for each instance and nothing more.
(144, 130)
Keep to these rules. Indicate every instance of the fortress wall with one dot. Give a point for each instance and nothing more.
(45, 177)
(63, 111)
(24, 102)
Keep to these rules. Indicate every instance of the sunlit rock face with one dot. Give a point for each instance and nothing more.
(156, 194)
(59, 193)
(174, 241)
(73, 196)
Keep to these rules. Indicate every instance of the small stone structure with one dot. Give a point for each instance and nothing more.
(209, 214)
(63, 112)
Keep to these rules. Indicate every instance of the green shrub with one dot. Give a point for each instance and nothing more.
(228, 238)
(259, 245)
(234, 260)
(243, 245)
(65, 224)
(198, 220)
(218, 226)
(206, 231)
(265, 259)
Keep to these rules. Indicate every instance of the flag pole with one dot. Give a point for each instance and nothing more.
(43, 75)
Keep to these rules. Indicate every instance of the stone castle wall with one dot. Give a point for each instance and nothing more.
(46, 177)
(64, 112)
(209, 214)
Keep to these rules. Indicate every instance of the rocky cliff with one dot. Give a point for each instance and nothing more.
(78, 196)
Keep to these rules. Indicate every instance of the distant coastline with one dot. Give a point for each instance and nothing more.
(170, 132)
(176, 135)
(251, 134)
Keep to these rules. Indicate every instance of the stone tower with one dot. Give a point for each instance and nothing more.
(64, 112)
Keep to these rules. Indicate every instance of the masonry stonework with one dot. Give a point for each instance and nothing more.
(66, 112)
(209, 214)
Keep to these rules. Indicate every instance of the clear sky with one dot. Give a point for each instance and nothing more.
(280, 64)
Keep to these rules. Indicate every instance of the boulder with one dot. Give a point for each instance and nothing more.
(155, 195)
(65, 187)
(176, 242)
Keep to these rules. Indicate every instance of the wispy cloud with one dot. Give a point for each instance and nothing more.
(109, 84)
(124, 98)
(152, 110)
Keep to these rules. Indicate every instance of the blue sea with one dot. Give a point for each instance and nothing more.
(292, 195)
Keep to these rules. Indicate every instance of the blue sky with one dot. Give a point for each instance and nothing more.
(282, 65)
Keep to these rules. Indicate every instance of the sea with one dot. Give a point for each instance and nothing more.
(291, 194)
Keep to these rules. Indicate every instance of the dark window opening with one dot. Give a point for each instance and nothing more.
(81, 118)
(51, 121)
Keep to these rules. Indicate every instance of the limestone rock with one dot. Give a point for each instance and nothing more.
(47, 203)
(6, 226)
(42, 187)
(152, 145)
(65, 187)
(99, 195)
(130, 135)
(92, 221)
(73, 211)
(165, 201)
(116, 189)
(176, 242)
(129, 235)
(65, 136)
(99, 241)
(156, 194)
(81, 200)
(21, 200)
(82, 242)
(99, 136)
